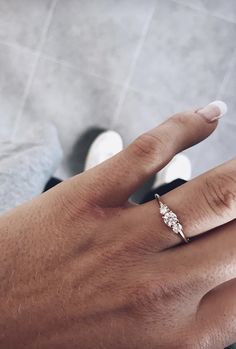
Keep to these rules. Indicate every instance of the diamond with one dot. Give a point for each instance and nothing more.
(163, 209)
(177, 228)
(170, 218)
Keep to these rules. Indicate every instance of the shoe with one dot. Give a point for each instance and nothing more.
(179, 167)
(106, 145)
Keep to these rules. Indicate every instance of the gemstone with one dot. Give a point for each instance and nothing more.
(170, 218)
(177, 228)
(163, 209)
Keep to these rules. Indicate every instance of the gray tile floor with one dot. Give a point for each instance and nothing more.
(124, 65)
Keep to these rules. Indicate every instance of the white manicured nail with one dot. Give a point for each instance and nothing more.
(213, 111)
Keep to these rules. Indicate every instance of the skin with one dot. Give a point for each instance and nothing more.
(82, 268)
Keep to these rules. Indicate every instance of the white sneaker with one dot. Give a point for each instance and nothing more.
(179, 167)
(106, 145)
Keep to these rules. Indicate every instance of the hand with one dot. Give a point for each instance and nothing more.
(80, 268)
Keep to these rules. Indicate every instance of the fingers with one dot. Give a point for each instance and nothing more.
(116, 179)
(202, 204)
(216, 316)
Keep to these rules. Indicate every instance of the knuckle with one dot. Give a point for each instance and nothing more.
(180, 121)
(219, 192)
(69, 209)
(144, 298)
(149, 146)
(149, 295)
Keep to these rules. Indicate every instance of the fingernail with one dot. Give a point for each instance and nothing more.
(213, 111)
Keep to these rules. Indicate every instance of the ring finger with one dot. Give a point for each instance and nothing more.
(202, 204)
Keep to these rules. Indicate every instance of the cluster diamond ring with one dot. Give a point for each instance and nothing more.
(171, 219)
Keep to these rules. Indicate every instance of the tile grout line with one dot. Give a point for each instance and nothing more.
(132, 68)
(34, 67)
(39, 54)
(206, 12)
(59, 62)
(16, 46)
(72, 67)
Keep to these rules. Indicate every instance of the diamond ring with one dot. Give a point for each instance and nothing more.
(171, 219)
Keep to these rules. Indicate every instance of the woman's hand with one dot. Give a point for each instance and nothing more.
(80, 268)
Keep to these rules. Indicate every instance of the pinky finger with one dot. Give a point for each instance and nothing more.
(216, 316)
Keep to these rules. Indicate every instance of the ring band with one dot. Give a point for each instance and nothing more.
(171, 219)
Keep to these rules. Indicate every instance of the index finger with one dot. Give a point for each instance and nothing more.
(116, 179)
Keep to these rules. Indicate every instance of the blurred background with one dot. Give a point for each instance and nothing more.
(119, 64)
